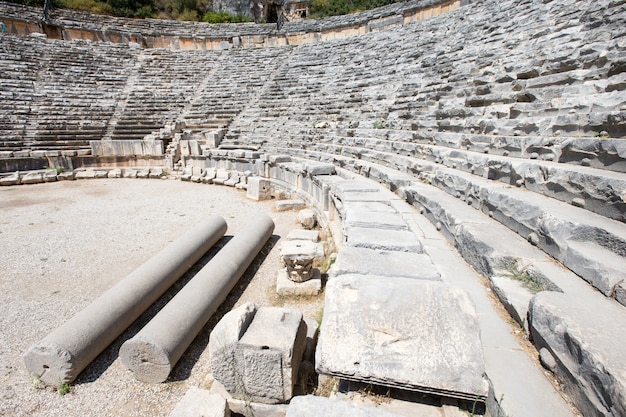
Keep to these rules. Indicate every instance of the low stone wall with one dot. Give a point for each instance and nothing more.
(150, 33)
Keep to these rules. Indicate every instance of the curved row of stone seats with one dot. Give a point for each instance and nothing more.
(517, 270)
(58, 95)
(160, 86)
(151, 32)
(441, 74)
(231, 86)
(379, 249)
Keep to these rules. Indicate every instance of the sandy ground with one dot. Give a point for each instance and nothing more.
(63, 244)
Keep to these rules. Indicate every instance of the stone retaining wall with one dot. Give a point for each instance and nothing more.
(150, 33)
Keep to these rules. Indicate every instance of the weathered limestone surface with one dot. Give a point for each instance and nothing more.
(383, 239)
(351, 260)
(590, 358)
(399, 348)
(198, 402)
(313, 406)
(256, 352)
(298, 256)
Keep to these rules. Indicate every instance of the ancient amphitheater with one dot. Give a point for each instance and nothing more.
(467, 160)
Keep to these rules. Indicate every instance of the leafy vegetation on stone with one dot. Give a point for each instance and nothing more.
(196, 10)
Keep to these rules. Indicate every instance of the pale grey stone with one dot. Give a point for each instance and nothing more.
(372, 219)
(298, 256)
(299, 234)
(513, 296)
(352, 260)
(413, 334)
(547, 360)
(256, 352)
(259, 189)
(382, 239)
(248, 408)
(314, 406)
(307, 218)
(284, 205)
(620, 293)
(32, 178)
(287, 287)
(588, 348)
(115, 173)
(198, 402)
(316, 168)
(11, 179)
(69, 175)
(156, 172)
(50, 176)
(130, 173)
(269, 353)
(143, 173)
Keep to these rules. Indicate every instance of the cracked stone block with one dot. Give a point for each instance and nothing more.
(310, 287)
(298, 256)
(256, 352)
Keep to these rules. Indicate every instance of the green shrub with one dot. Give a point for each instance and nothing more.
(224, 17)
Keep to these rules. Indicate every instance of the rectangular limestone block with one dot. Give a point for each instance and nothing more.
(258, 189)
(365, 261)
(269, 354)
(412, 334)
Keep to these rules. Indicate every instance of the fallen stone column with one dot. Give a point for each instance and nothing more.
(154, 351)
(64, 353)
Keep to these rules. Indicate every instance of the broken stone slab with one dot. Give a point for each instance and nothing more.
(82, 174)
(317, 168)
(198, 402)
(353, 260)
(299, 234)
(356, 186)
(233, 180)
(286, 287)
(284, 205)
(32, 178)
(130, 173)
(248, 408)
(50, 176)
(66, 176)
(375, 206)
(255, 352)
(143, 173)
(259, 189)
(115, 173)
(314, 406)
(372, 219)
(588, 348)
(383, 239)
(412, 334)
(299, 256)
(276, 159)
(307, 218)
(156, 172)
(12, 179)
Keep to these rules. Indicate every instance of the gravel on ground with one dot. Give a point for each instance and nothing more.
(63, 244)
